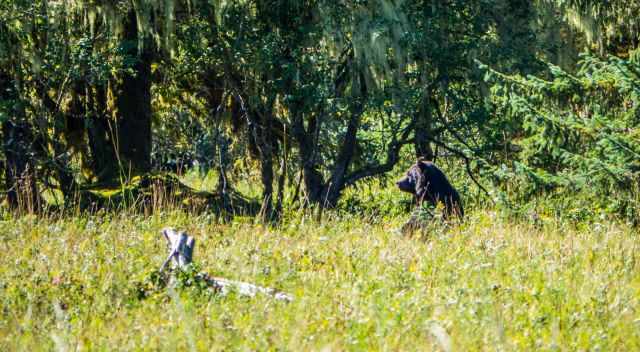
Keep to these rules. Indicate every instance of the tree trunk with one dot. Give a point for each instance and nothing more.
(223, 187)
(306, 141)
(282, 177)
(133, 104)
(20, 171)
(264, 142)
(333, 190)
(422, 131)
(266, 175)
(101, 133)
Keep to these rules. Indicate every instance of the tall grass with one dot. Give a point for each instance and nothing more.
(492, 283)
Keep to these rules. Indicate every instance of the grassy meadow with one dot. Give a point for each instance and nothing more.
(71, 283)
(235, 120)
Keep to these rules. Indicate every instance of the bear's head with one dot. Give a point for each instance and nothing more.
(416, 179)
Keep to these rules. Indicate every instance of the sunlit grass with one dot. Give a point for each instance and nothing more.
(487, 284)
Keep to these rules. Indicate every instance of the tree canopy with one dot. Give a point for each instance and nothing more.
(526, 97)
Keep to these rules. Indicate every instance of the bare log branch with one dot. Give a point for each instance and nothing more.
(225, 286)
(181, 248)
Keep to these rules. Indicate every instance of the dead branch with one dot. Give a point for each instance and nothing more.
(181, 247)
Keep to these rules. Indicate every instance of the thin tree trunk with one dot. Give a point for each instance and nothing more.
(223, 186)
(264, 143)
(282, 177)
(20, 171)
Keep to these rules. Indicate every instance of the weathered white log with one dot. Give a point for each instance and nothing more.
(246, 289)
(181, 248)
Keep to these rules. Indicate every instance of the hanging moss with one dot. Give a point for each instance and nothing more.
(155, 19)
(602, 22)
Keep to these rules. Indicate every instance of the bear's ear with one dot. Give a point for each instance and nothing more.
(424, 165)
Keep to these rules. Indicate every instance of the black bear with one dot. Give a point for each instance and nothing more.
(427, 183)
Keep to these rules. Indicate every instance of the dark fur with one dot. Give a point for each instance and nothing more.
(427, 183)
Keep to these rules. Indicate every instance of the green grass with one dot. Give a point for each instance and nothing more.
(490, 284)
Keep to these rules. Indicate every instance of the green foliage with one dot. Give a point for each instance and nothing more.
(375, 201)
(150, 284)
(577, 133)
(188, 280)
(325, 94)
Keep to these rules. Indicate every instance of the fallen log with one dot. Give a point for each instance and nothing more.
(181, 247)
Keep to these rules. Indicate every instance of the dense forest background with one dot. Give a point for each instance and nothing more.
(520, 101)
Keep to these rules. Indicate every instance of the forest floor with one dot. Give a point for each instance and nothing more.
(488, 284)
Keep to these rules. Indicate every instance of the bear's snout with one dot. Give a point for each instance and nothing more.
(405, 185)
